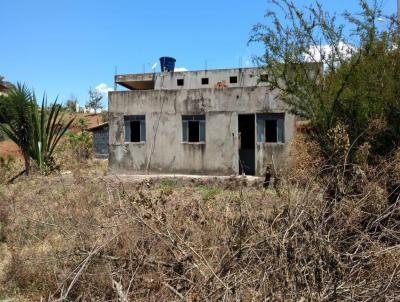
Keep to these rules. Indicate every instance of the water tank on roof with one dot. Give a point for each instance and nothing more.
(167, 64)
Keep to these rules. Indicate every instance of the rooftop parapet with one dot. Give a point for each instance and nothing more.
(217, 78)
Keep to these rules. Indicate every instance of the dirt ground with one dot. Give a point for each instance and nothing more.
(9, 148)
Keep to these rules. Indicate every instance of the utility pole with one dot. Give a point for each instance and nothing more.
(398, 14)
(398, 11)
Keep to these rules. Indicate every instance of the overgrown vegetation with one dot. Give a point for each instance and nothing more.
(105, 238)
(36, 130)
(343, 76)
(329, 231)
(81, 142)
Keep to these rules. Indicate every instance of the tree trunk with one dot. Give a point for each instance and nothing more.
(27, 164)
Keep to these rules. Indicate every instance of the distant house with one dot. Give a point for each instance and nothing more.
(100, 140)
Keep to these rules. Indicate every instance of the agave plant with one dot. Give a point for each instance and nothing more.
(48, 129)
(36, 131)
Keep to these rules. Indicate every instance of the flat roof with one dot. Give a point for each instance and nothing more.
(99, 126)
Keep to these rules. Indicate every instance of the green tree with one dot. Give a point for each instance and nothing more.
(94, 101)
(343, 77)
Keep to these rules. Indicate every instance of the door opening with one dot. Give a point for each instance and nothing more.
(247, 144)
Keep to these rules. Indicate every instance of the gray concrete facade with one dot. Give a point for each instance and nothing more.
(246, 77)
(163, 104)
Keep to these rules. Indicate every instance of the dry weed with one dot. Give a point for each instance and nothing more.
(97, 239)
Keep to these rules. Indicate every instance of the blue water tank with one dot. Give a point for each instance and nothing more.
(167, 64)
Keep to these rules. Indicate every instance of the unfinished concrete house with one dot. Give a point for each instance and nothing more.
(213, 122)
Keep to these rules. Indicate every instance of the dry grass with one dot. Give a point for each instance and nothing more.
(9, 167)
(84, 236)
(89, 237)
(81, 238)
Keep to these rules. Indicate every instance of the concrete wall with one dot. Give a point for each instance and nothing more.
(164, 151)
(100, 142)
(246, 77)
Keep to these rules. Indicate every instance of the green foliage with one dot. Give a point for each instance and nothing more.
(37, 131)
(168, 184)
(48, 129)
(208, 193)
(16, 111)
(342, 77)
(81, 143)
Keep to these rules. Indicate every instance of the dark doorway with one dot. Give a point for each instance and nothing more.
(247, 144)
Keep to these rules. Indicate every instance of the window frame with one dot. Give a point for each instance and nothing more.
(186, 119)
(264, 77)
(205, 81)
(280, 127)
(231, 78)
(127, 125)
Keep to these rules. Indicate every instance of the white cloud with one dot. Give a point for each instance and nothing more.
(247, 62)
(327, 52)
(180, 69)
(103, 88)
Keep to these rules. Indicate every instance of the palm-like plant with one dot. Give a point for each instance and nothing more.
(16, 111)
(48, 129)
(36, 131)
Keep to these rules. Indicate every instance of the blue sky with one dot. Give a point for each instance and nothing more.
(64, 47)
